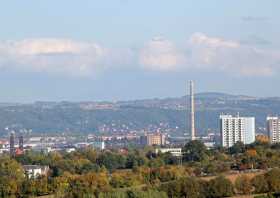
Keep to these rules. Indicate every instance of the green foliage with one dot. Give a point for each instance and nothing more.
(146, 194)
(111, 160)
(39, 186)
(185, 187)
(260, 184)
(190, 188)
(11, 177)
(220, 187)
(237, 148)
(116, 194)
(273, 180)
(121, 179)
(88, 185)
(89, 173)
(134, 160)
(195, 151)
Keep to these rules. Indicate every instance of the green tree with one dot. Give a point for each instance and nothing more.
(260, 184)
(115, 194)
(273, 180)
(237, 148)
(219, 187)
(28, 187)
(111, 160)
(42, 186)
(195, 151)
(11, 177)
(134, 161)
(173, 189)
(146, 194)
(190, 188)
(60, 186)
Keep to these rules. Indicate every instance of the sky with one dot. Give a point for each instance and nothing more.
(92, 50)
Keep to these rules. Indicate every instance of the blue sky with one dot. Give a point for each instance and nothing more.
(125, 49)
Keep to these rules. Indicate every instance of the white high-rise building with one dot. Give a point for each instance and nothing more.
(273, 128)
(236, 129)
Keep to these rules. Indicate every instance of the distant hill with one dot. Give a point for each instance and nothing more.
(167, 114)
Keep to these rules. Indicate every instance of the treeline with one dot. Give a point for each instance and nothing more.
(142, 173)
(167, 181)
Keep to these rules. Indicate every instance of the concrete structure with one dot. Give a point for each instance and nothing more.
(235, 129)
(70, 149)
(192, 106)
(273, 129)
(42, 149)
(177, 152)
(34, 171)
(153, 139)
(82, 145)
(98, 145)
(209, 145)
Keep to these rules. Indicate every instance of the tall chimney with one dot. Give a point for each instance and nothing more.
(20, 143)
(192, 110)
(12, 144)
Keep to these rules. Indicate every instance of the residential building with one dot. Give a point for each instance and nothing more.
(70, 149)
(177, 152)
(42, 149)
(34, 171)
(236, 129)
(98, 145)
(273, 128)
(153, 139)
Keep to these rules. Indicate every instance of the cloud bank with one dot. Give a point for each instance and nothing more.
(200, 52)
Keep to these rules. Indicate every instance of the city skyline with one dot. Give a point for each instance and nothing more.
(123, 50)
(123, 98)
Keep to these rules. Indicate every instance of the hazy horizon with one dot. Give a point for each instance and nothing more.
(134, 99)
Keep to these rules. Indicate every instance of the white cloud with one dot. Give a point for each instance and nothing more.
(161, 54)
(212, 54)
(217, 54)
(214, 42)
(50, 46)
(52, 55)
(199, 53)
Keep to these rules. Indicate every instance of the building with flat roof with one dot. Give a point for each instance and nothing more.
(236, 129)
(273, 129)
(34, 171)
(153, 139)
(177, 152)
(98, 145)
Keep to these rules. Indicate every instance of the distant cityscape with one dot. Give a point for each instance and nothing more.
(232, 129)
(139, 99)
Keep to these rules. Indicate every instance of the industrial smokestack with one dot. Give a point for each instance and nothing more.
(192, 121)
(20, 143)
(12, 144)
